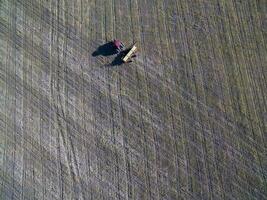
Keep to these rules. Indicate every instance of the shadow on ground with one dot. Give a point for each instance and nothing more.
(105, 50)
(109, 50)
(118, 59)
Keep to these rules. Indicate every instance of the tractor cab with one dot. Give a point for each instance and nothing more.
(118, 45)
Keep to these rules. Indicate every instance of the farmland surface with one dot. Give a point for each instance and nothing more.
(186, 120)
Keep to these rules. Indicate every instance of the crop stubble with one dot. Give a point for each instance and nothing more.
(186, 120)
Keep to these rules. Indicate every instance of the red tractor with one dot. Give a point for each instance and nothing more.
(118, 45)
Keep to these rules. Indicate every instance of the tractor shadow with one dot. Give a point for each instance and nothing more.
(109, 50)
(105, 50)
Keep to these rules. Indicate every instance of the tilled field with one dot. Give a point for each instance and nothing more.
(186, 120)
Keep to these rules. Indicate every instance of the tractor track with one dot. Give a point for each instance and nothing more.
(185, 120)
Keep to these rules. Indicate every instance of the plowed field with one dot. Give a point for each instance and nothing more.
(187, 119)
